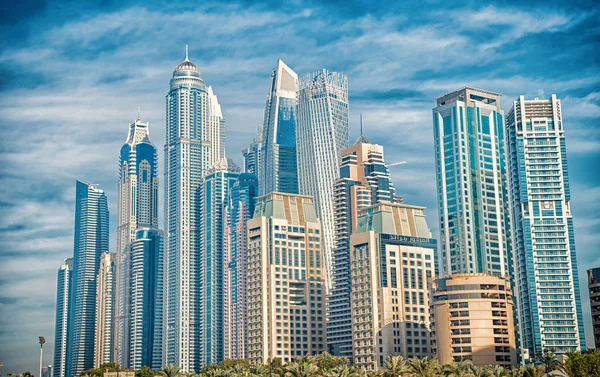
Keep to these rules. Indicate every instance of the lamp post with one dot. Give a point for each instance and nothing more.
(42, 341)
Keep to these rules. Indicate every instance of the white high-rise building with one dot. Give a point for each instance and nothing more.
(105, 310)
(549, 304)
(194, 142)
(321, 135)
(63, 286)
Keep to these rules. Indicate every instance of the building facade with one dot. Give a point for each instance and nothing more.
(278, 169)
(321, 135)
(472, 183)
(91, 240)
(137, 206)
(285, 280)
(594, 287)
(472, 319)
(105, 310)
(251, 155)
(392, 255)
(364, 180)
(544, 242)
(241, 209)
(146, 271)
(214, 196)
(194, 142)
(63, 290)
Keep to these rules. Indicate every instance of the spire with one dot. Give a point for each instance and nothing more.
(361, 129)
(138, 118)
(186, 53)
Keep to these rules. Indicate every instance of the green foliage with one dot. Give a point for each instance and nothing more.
(585, 364)
(106, 367)
(145, 372)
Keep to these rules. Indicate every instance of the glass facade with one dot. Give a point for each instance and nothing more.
(278, 170)
(194, 143)
(91, 240)
(321, 135)
(549, 303)
(137, 191)
(63, 289)
(472, 183)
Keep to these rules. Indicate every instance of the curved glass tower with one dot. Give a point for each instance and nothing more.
(278, 170)
(194, 143)
(322, 134)
(137, 191)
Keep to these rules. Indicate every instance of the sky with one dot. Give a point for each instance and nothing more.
(73, 74)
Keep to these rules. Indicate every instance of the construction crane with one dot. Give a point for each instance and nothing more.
(396, 163)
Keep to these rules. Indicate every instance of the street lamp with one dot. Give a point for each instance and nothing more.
(42, 341)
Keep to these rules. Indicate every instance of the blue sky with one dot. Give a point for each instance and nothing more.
(74, 74)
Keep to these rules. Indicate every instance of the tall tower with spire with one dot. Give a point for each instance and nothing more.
(194, 143)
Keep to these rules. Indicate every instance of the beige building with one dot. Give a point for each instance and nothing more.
(472, 318)
(105, 310)
(285, 279)
(392, 255)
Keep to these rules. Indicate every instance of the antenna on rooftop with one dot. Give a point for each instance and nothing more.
(361, 126)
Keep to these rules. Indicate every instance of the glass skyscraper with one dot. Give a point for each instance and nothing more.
(472, 183)
(63, 289)
(214, 196)
(278, 170)
(549, 303)
(251, 155)
(91, 240)
(146, 269)
(194, 143)
(364, 181)
(137, 192)
(241, 209)
(321, 135)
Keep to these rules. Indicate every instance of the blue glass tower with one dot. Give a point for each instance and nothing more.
(91, 239)
(137, 191)
(146, 305)
(546, 264)
(214, 196)
(278, 170)
(63, 289)
(241, 209)
(472, 183)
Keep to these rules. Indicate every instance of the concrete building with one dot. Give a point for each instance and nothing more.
(594, 286)
(285, 280)
(392, 255)
(105, 310)
(548, 294)
(472, 319)
(251, 155)
(321, 135)
(63, 291)
(472, 183)
(364, 180)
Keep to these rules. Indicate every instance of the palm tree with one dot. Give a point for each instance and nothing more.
(302, 368)
(497, 371)
(170, 370)
(532, 371)
(341, 371)
(460, 369)
(550, 361)
(395, 366)
(425, 367)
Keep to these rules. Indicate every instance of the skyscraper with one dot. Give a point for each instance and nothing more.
(278, 169)
(241, 208)
(146, 269)
(321, 135)
(544, 242)
(137, 192)
(214, 198)
(472, 183)
(285, 280)
(392, 255)
(251, 155)
(105, 310)
(91, 240)
(63, 289)
(364, 180)
(594, 287)
(194, 142)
